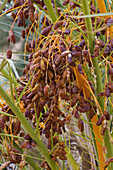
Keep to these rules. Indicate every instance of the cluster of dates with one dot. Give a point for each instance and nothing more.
(51, 80)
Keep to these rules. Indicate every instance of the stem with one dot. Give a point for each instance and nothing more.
(6, 75)
(71, 160)
(88, 25)
(32, 163)
(99, 87)
(109, 147)
(29, 129)
(3, 5)
(50, 10)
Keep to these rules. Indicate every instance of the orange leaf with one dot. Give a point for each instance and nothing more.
(81, 82)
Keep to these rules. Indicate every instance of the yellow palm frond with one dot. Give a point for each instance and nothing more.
(81, 82)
